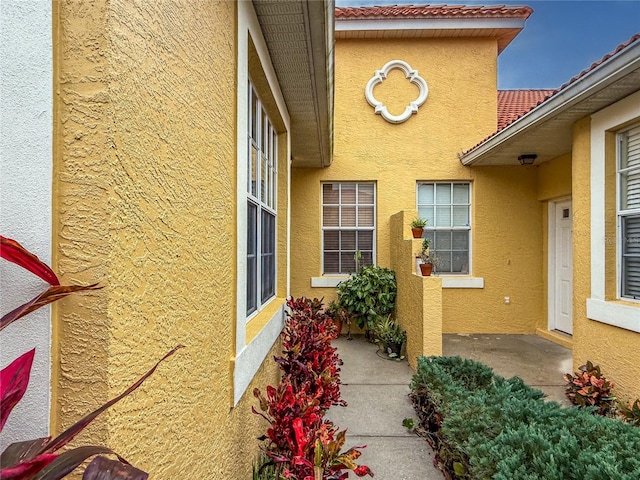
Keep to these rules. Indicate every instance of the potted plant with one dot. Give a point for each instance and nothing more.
(339, 316)
(390, 336)
(428, 259)
(417, 227)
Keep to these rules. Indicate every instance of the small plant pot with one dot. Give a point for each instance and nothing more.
(394, 348)
(417, 232)
(426, 269)
(338, 324)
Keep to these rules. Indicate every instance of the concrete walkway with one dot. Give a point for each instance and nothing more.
(376, 390)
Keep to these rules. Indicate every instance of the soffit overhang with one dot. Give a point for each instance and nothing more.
(299, 36)
(547, 130)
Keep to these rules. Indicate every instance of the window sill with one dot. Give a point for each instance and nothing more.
(462, 282)
(327, 282)
(617, 313)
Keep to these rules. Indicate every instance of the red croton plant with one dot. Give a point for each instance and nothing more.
(303, 444)
(42, 458)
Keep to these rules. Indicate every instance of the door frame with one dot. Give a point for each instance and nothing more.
(551, 261)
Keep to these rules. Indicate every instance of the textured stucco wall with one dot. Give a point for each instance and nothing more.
(459, 111)
(145, 181)
(614, 349)
(25, 197)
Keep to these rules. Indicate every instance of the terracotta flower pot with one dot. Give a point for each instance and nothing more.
(417, 232)
(426, 269)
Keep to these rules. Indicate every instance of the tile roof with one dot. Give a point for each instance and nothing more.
(432, 11)
(514, 103)
(509, 119)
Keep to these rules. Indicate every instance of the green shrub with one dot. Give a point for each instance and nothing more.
(483, 426)
(369, 294)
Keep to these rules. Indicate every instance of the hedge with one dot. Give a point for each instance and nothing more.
(483, 426)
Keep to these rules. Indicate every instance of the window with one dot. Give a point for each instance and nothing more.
(261, 205)
(348, 226)
(629, 211)
(446, 207)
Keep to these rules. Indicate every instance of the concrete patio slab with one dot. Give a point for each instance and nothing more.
(539, 362)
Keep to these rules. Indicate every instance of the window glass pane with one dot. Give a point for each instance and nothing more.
(348, 193)
(252, 261)
(330, 216)
(254, 170)
(255, 116)
(347, 261)
(443, 240)
(460, 262)
(365, 216)
(365, 193)
(366, 259)
(444, 262)
(330, 193)
(348, 240)
(460, 216)
(331, 262)
(365, 240)
(263, 179)
(443, 216)
(460, 193)
(630, 148)
(427, 213)
(443, 194)
(630, 190)
(460, 240)
(331, 240)
(268, 243)
(348, 216)
(631, 256)
(425, 193)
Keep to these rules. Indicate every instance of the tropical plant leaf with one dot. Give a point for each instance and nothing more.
(20, 451)
(14, 380)
(14, 252)
(103, 468)
(68, 461)
(27, 469)
(53, 293)
(68, 435)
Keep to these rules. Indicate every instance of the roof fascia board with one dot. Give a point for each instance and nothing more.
(594, 81)
(354, 25)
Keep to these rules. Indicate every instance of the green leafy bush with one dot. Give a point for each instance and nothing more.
(484, 426)
(369, 294)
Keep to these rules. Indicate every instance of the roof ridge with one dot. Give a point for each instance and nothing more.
(432, 11)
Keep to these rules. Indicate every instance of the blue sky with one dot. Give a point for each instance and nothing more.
(559, 40)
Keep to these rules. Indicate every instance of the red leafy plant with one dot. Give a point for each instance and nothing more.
(631, 413)
(300, 441)
(589, 388)
(40, 458)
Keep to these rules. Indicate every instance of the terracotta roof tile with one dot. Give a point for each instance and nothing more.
(508, 120)
(432, 11)
(514, 103)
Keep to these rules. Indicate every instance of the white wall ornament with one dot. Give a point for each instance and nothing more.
(413, 77)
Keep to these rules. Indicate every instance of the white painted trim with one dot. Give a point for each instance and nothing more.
(26, 179)
(613, 313)
(356, 25)
(381, 75)
(327, 282)
(461, 282)
(607, 119)
(249, 357)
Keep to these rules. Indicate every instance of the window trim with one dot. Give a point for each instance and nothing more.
(323, 228)
(468, 228)
(620, 313)
(249, 356)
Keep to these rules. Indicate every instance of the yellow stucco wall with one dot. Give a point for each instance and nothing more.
(144, 168)
(614, 349)
(460, 111)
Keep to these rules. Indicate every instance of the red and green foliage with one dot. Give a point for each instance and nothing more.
(41, 458)
(300, 442)
(589, 388)
(631, 413)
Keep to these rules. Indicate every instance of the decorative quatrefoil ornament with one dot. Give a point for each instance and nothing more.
(413, 77)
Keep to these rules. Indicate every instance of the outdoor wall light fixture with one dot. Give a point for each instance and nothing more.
(527, 158)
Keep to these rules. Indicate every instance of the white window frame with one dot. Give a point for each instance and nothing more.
(449, 229)
(264, 201)
(623, 314)
(355, 228)
(250, 356)
(622, 213)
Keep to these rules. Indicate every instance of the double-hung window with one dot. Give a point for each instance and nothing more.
(348, 226)
(629, 211)
(447, 208)
(261, 205)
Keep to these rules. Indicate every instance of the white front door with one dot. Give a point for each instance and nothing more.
(563, 269)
